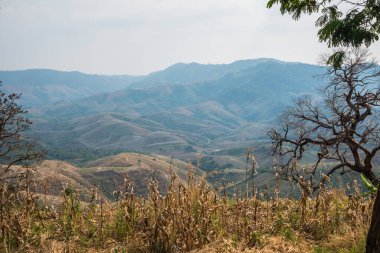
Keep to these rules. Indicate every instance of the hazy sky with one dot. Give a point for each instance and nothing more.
(140, 36)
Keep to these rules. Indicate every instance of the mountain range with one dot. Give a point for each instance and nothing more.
(183, 109)
(40, 87)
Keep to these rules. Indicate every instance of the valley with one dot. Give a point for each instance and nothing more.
(172, 115)
(184, 111)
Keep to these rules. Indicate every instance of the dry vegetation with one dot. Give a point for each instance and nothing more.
(108, 173)
(190, 217)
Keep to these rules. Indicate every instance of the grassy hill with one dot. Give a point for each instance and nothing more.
(108, 175)
(53, 177)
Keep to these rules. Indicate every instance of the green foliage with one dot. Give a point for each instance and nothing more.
(208, 163)
(71, 213)
(256, 239)
(69, 191)
(235, 240)
(360, 24)
(289, 234)
(368, 184)
(336, 59)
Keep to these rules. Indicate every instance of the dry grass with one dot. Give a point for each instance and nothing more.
(191, 217)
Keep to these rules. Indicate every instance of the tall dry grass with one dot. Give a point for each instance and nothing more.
(189, 217)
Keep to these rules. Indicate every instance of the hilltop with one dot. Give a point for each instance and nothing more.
(107, 175)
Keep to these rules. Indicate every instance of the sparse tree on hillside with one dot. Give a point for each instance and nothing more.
(344, 23)
(15, 146)
(343, 128)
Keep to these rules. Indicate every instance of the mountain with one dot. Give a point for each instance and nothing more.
(187, 73)
(237, 107)
(253, 88)
(216, 111)
(40, 87)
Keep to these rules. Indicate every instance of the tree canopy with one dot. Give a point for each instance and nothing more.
(342, 22)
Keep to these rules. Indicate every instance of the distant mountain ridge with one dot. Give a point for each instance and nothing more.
(41, 87)
(218, 107)
(189, 73)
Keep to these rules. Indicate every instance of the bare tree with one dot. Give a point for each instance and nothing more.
(15, 149)
(15, 146)
(342, 127)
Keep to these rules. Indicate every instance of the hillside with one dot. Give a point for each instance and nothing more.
(250, 93)
(53, 177)
(107, 174)
(237, 107)
(215, 110)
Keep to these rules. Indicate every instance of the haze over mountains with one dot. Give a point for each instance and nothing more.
(183, 108)
(44, 86)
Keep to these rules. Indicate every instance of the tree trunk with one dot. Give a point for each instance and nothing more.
(373, 237)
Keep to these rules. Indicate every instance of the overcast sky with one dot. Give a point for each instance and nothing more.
(141, 36)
